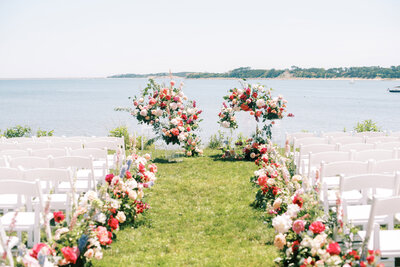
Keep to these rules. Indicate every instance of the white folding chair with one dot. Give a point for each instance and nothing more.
(386, 166)
(15, 153)
(51, 179)
(315, 159)
(3, 161)
(389, 145)
(6, 244)
(30, 162)
(386, 241)
(374, 154)
(370, 134)
(10, 201)
(358, 213)
(347, 140)
(356, 147)
(100, 160)
(382, 139)
(54, 152)
(292, 136)
(330, 172)
(84, 165)
(8, 146)
(304, 150)
(30, 220)
(113, 160)
(33, 145)
(21, 140)
(66, 144)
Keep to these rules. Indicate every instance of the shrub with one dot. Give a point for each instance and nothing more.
(216, 140)
(121, 131)
(366, 126)
(147, 143)
(17, 131)
(41, 133)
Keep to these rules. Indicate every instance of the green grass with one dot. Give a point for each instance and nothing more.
(200, 216)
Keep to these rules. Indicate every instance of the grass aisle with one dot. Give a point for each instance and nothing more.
(200, 216)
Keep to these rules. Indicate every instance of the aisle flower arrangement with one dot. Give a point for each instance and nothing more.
(172, 116)
(96, 219)
(305, 236)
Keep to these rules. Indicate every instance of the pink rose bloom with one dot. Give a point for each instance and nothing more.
(298, 226)
(317, 227)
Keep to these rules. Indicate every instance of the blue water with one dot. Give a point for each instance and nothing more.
(86, 106)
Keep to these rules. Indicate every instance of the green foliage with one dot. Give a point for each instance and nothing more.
(17, 131)
(216, 140)
(372, 72)
(41, 133)
(147, 143)
(121, 131)
(366, 126)
(200, 216)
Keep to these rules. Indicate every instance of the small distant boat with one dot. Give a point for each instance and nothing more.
(395, 89)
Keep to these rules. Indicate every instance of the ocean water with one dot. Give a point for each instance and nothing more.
(86, 106)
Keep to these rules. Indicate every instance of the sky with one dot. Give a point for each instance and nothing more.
(97, 38)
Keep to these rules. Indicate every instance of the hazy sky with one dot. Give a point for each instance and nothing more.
(82, 38)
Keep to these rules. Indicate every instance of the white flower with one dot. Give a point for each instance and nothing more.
(225, 124)
(120, 217)
(174, 121)
(159, 112)
(334, 260)
(173, 106)
(253, 155)
(101, 218)
(114, 203)
(296, 178)
(131, 183)
(181, 137)
(282, 223)
(141, 100)
(143, 112)
(260, 172)
(260, 103)
(292, 210)
(277, 203)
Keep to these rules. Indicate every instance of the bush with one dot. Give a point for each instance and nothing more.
(121, 131)
(216, 140)
(147, 143)
(17, 131)
(41, 133)
(366, 126)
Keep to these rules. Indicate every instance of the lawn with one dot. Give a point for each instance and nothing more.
(200, 216)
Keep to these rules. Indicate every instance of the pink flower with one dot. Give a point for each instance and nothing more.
(298, 226)
(109, 178)
(58, 216)
(70, 254)
(40, 247)
(172, 83)
(103, 235)
(317, 227)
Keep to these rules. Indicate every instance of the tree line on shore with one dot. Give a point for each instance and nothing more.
(372, 72)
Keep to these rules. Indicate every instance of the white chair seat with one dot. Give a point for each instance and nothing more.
(359, 215)
(99, 164)
(80, 186)
(389, 244)
(380, 192)
(23, 220)
(332, 182)
(58, 198)
(12, 242)
(8, 201)
(352, 197)
(84, 174)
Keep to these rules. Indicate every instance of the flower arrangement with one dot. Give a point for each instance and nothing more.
(254, 99)
(96, 219)
(305, 236)
(173, 117)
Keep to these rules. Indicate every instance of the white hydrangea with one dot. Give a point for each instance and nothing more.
(292, 210)
(282, 223)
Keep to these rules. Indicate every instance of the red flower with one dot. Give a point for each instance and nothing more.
(362, 264)
(70, 254)
(298, 200)
(128, 175)
(152, 101)
(142, 168)
(184, 117)
(275, 190)
(317, 227)
(262, 180)
(38, 248)
(245, 107)
(248, 91)
(333, 249)
(290, 115)
(371, 259)
(109, 178)
(295, 246)
(58, 216)
(113, 223)
(195, 117)
(168, 97)
(263, 150)
(255, 94)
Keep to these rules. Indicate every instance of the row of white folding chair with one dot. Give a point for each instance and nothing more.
(100, 156)
(290, 137)
(83, 168)
(41, 145)
(57, 185)
(315, 159)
